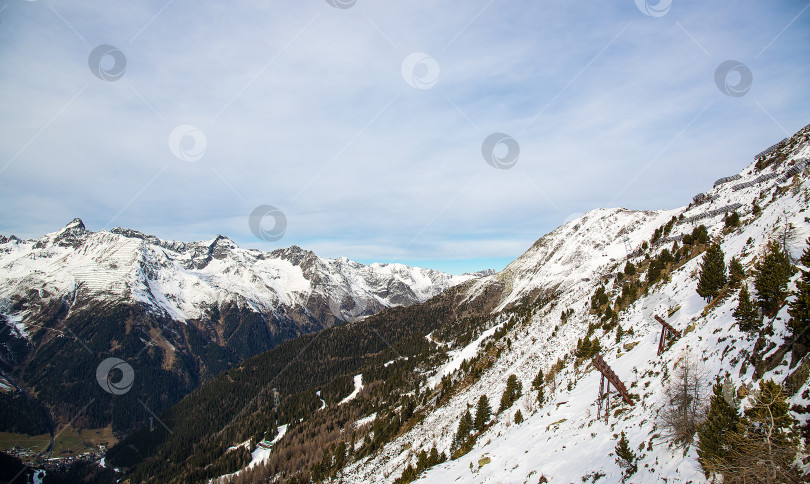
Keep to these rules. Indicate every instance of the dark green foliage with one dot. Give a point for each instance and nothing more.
(465, 426)
(629, 269)
(587, 348)
(715, 432)
(482, 413)
(600, 298)
(800, 307)
(712, 273)
(732, 219)
(736, 272)
(22, 415)
(625, 458)
(518, 417)
(654, 271)
(514, 388)
(762, 447)
(538, 380)
(699, 235)
(773, 271)
(746, 313)
(537, 385)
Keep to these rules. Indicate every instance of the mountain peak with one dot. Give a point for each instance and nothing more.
(76, 223)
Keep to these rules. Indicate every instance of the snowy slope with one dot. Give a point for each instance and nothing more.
(182, 280)
(563, 440)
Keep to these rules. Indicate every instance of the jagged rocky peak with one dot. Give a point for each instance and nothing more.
(294, 254)
(221, 245)
(75, 224)
(72, 235)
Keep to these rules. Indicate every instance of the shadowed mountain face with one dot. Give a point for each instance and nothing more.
(177, 313)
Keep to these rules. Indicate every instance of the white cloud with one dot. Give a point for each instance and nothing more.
(303, 106)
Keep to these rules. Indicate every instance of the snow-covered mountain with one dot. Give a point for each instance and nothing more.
(182, 280)
(563, 440)
(197, 307)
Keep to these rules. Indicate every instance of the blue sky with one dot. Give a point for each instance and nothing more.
(305, 107)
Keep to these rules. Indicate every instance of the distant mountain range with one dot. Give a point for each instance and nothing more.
(179, 311)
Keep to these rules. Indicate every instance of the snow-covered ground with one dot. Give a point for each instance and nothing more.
(563, 439)
(457, 357)
(358, 385)
(258, 456)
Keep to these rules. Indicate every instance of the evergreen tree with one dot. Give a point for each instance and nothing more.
(482, 413)
(736, 272)
(629, 269)
(465, 426)
(537, 385)
(712, 273)
(513, 391)
(800, 307)
(732, 219)
(625, 457)
(746, 313)
(700, 235)
(716, 431)
(518, 417)
(773, 271)
(538, 380)
(763, 446)
(433, 459)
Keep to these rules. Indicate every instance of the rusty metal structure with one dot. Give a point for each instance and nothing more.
(666, 330)
(608, 378)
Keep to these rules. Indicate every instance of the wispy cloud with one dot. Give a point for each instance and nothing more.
(295, 103)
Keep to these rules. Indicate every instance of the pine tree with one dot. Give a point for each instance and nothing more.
(773, 271)
(715, 433)
(518, 417)
(800, 307)
(764, 445)
(482, 413)
(538, 380)
(736, 272)
(537, 385)
(712, 273)
(629, 269)
(625, 457)
(746, 313)
(465, 426)
(512, 392)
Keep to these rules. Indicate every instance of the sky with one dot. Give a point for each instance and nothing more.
(448, 135)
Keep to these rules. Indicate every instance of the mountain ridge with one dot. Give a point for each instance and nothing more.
(532, 315)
